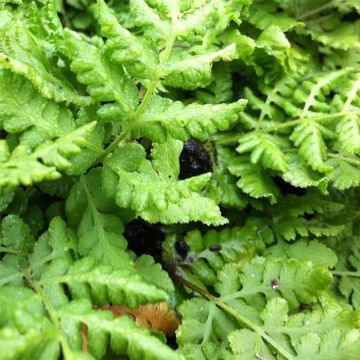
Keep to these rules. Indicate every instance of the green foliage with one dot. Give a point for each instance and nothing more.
(45, 302)
(153, 192)
(26, 166)
(259, 211)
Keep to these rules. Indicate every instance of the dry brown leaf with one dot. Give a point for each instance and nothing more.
(158, 316)
(84, 338)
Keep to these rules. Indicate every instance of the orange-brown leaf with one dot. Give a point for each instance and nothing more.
(158, 316)
(84, 338)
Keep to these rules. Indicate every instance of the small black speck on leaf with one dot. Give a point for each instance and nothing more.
(274, 284)
(194, 160)
(182, 248)
(215, 248)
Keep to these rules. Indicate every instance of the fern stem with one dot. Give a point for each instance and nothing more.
(8, 250)
(345, 158)
(316, 118)
(111, 147)
(145, 100)
(154, 83)
(240, 318)
(52, 313)
(207, 327)
(346, 273)
(250, 325)
(288, 124)
(318, 10)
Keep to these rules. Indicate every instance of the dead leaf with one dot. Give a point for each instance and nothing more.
(158, 316)
(84, 338)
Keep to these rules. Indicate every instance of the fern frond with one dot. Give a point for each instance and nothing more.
(265, 149)
(299, 175)
(223, 186)
(126, 49)
(104, 82)
(52, 265)
(122, 333)
(345, 174)
(24, 111)
(221, 89)
(297, 282)
(98, 228)
(210, 252)
(309, 137)
(289, 227)
(3, 3)
(25, 321)
(348, 128)
(22, 54)
(254, 181)
(347, 270)
(318, 334)
(270, 330)
(155, 196)
(26, 166)
(304, 250)
(262, 14)
(164, 117)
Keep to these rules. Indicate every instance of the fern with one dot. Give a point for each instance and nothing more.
(272, 329)
(348, 128)
(254, 181)
(265, 149)
(166, 118)
(20, 53)
(30, 118)
(223, 188)
(46, 270)
(309, 135)
(26, 166)
(93, 70)
(211, 251)
(99, 231)
(183, 170)
(153, 194)
(319, 343)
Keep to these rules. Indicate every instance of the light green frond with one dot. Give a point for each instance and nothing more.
(98, 227)
(124, 337)
(191, 71)
(254, 181)
(289, 227)
(24, 111)
(125, 48)
(345, 175)
(155, 196)
(26, 166)
(309, 137)
(318, 334)
(104, 81)
(223, 185)
(21, 53)
(299, 175)
(297, 282)
(165, 117)
(221, 89)
(304, 250)
(348, 128)
(265, 149)
(263, 14)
